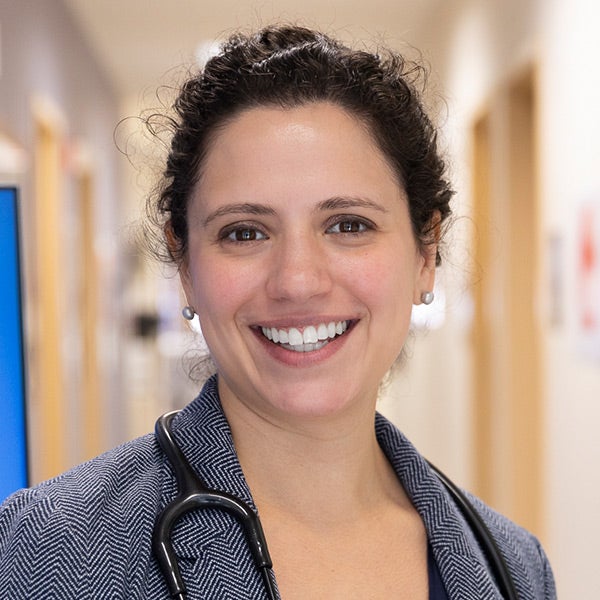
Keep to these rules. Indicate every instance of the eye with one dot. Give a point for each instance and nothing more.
(350, 225)
(241, 234)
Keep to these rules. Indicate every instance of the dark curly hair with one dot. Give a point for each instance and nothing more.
(289, 66)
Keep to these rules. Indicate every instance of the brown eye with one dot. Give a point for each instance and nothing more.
(244, 234)
(349, 226)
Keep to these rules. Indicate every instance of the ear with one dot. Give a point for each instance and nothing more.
(425, 276)
(174, 247)
(186, 283)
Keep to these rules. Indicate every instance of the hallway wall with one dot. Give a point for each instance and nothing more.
(48, 72)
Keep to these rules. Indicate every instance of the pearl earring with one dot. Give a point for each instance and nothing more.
(427, 297)
(188, 313)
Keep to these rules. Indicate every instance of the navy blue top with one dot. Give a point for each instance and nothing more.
(437, 591)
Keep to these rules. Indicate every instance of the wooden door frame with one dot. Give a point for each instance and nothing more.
(507, 358)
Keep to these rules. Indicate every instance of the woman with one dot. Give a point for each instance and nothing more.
(303, 203)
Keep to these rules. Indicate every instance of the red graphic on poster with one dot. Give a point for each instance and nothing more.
(589, 265)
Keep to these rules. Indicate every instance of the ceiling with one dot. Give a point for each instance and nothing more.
(138, 42)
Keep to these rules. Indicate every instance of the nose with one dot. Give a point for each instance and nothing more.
(299, 270)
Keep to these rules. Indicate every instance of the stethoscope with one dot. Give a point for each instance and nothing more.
(193, 494)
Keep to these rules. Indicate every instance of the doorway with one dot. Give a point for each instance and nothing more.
(508, 406)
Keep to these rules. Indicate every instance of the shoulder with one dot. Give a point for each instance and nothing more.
(110, 474)
(119, 476)
(83, 515)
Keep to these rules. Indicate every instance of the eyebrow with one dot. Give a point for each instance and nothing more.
(242, 208)
(335, 203)
(343, 202)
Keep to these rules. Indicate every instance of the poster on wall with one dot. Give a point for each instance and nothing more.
(588, 275)
(13, 441)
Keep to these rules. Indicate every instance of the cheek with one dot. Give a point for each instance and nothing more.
(385, 280)
(222, 288)
(213, 289)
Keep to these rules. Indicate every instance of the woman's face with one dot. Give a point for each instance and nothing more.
(302, 264)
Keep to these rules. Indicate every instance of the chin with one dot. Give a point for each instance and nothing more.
(314, 400)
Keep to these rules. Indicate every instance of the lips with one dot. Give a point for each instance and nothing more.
(306, 339)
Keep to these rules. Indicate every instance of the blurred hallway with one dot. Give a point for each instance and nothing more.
(501, 387)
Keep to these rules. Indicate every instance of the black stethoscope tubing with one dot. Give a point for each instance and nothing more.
(486, 540)
(193, 494)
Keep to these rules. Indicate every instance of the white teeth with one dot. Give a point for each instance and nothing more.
(294, 337)
(311, 338)
(309, 335)
(322, 332)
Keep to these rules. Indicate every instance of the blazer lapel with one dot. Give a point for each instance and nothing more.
(203, 435)
(461, 562)
(210, 544)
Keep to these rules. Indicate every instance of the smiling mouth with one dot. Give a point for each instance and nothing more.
(307, 339)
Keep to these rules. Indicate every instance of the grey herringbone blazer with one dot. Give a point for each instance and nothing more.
(86, 535)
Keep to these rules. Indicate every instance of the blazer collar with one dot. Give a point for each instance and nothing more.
(462, 565)
(203, 434)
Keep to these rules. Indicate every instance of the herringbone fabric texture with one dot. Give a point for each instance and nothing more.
(86, 535)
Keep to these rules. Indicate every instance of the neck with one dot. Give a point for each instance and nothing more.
(320, 469)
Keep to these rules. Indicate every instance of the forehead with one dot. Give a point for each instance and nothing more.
(303, 142)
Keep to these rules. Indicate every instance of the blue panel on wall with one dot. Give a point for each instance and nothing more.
(13, 439)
